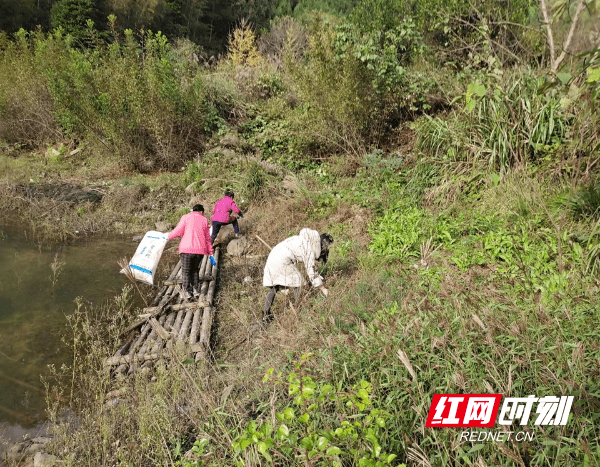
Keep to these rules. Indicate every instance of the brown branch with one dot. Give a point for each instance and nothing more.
(567, 43)
(549, 34)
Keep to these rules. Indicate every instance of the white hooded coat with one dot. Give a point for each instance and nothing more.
(303, 248)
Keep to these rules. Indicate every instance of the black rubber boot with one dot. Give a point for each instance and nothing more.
(267, 317)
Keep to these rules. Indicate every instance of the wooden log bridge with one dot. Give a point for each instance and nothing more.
(170, 322)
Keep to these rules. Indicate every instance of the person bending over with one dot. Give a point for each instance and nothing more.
(281, 272)
(195, 243)
(222, 215)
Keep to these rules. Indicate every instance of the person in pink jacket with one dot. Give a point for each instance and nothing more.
(195, 243)
(222, 215)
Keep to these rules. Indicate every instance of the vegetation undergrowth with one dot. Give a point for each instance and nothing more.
(455, 162)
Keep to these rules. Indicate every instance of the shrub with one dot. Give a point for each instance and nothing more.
(398, 232)
(505, 123)
(323, 424)
(241, 49)
(586, 202)
(355, 86)
(27, 113)
(286, 36)
(147, 108)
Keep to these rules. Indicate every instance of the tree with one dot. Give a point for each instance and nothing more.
(26, 14)
(72, 17)
(560, 7)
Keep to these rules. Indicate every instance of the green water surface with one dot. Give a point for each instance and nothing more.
(34, 303)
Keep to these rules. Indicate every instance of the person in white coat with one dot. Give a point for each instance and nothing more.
(281, 272)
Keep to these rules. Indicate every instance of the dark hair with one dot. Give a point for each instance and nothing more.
(326, 240)
(198, 207)
(229, 193)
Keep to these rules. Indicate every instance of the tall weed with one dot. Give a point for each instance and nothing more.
(505, 123)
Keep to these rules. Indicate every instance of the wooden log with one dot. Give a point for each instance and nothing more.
(166, 296)
(164, 288)
(174, 307)
(148, 364)
(185, 326)
(159, 343)
(170, 321)
(206, 326)
(201, 278)
(150, 339)
(202, 270)
(204, 343)
(125, 347)
(206, 272)
(169, 292)
(185, 306)
(160, 331)
(178, 320)
(129, 359)
(211, 288)
(154, 312)
(138, 343)
(195, 326)
(140, 340)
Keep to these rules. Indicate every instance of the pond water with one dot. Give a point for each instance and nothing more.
(35, 297)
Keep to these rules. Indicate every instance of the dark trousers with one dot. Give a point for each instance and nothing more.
(190, 267)
(216, 226)
(267, 314)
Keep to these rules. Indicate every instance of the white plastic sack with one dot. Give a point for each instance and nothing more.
(145, 260)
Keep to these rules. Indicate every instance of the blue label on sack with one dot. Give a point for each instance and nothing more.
(139, 268)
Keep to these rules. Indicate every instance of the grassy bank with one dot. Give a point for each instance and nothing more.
(461, 191)
(492, 293)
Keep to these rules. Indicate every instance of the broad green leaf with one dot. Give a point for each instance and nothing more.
(593, 74)
(564, 77)
(495, 179)
(283, 430)
(303, 418)
(262, 447)
(189, 361)
(244, 444)
(476, 88)
(306, 443)
(333, 451)
(322, 443)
